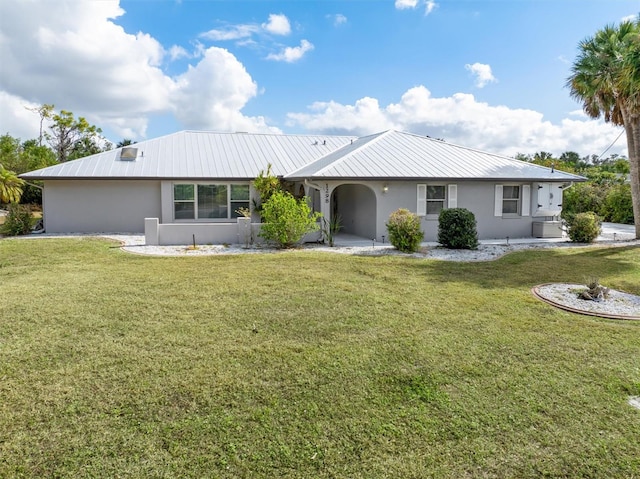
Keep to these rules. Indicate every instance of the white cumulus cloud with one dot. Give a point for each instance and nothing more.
(278, 24)
(482, 74)
(205, 98)
(291, 54)
(87, 64)
(460, 119)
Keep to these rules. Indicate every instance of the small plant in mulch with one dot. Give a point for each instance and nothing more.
(595, 291)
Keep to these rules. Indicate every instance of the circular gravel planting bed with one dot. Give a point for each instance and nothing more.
(618, 305)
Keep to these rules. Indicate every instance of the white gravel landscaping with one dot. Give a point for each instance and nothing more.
(617, 304)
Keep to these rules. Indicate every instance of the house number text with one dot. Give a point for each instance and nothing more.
(326, 192)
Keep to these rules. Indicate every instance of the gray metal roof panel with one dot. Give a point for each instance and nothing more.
(388, 155)
(191, 154)
(399, 155)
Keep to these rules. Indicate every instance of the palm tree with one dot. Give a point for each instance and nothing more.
(606, 80)
(10, 186)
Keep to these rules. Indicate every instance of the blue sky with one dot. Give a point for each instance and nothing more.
(485, 74)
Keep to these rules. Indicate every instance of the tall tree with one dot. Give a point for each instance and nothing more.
(44, 112)
(606, 80)
(66, 133)
(10, 186)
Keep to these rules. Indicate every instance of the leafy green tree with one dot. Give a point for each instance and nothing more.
(572, 161)
(617, 206)
(36, 156)
(24, 157)
(10, 152)
(10, 186)
(44, 112)
(72, 137)
(285, 219)
(606, 80)
(86, 146)
(582, 198)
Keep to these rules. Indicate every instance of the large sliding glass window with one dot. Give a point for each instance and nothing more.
(208, 201)
(212, 201)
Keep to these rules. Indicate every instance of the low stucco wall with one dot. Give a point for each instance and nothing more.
(99, 206)
(209, 233)
(242, 232)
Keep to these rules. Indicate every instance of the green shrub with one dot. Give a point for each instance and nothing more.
(584, 227)
(18, 221)
(266, 184)
(457, 229)
(582, 198)
(618, 205)
(331, 228)
(286, 220)
(404, 229)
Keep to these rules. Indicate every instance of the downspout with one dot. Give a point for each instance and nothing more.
(565, 187)
(35, 186)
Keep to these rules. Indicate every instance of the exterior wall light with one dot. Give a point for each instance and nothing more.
(385, 188)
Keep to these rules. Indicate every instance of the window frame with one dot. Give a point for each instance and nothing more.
(450, 199)
(442, 200)
(231, 204)
(518, 200)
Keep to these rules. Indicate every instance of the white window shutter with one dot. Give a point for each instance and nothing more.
(453, 196)
(421, 208)
(497, 211)
(526, 200)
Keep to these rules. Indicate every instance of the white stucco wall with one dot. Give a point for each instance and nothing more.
(99, 206)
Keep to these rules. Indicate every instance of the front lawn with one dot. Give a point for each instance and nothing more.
(310, 365)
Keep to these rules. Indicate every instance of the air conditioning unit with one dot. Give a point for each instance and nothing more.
(128, 154)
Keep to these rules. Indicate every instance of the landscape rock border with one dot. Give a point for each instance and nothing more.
(620, 305)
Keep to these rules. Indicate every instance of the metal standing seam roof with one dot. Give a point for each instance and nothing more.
(399, 155)
(196, 155)
(388, 155)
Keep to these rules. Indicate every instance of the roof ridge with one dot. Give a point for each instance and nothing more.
(377, 137)
(249, 133)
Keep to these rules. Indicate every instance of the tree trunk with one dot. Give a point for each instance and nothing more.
(632, 128)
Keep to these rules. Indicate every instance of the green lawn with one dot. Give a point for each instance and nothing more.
(310, 365)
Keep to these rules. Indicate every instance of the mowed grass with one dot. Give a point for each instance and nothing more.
(310, 365)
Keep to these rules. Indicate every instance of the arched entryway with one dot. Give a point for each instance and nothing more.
(356, 206)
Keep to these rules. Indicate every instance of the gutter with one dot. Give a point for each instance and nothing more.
(312, 185)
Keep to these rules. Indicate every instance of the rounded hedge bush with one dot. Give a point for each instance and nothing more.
(404, 229)
(457, 229)
(584, 227)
